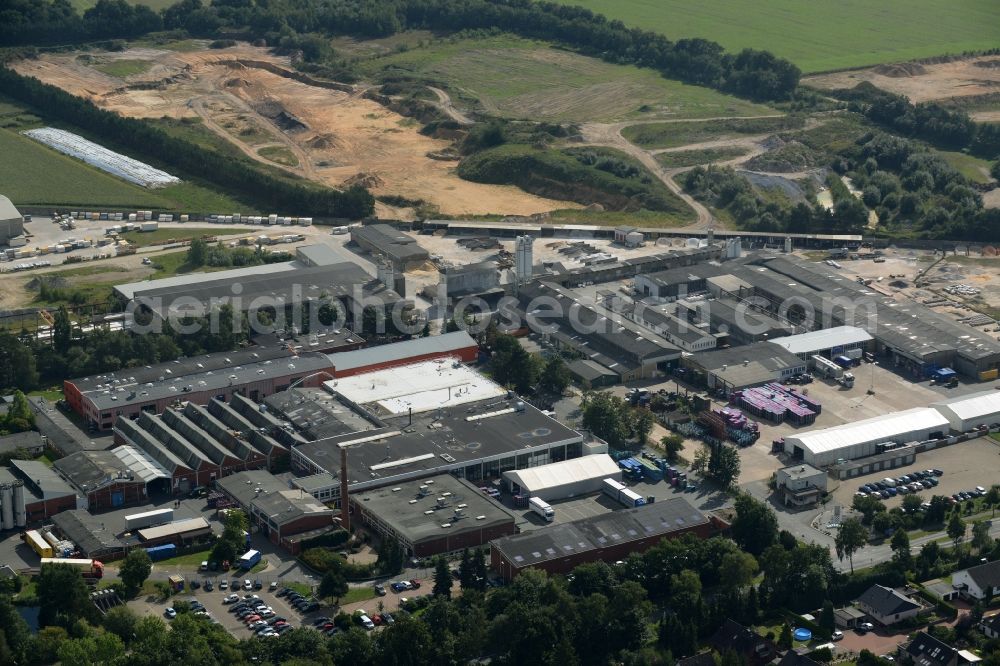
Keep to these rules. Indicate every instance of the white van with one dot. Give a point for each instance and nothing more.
(366, 622)
(889, 482)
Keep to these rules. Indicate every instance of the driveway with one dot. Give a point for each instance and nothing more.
(879, 642)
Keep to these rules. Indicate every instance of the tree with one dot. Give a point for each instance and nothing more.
(121, 621)
(912, 503)
(993, 494)
(851, 537)
(333, 585)
(685, 590)
(62, 330)
(135, 570)
(724, 465)
(466, 576)
(63, 596)
(442, 578)
(755, 527)
(480, 569)
(604, 415)
(827, 621)
(642, 425)
(737, 570)
(956, 529)
(981, 539)
(197, 253)
(700, 463)
(785, 638)
(900, 545)
(555, 376)
(672, 446)
(512, 365)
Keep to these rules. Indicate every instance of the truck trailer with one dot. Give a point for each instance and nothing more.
(827, 368)
(163, 552)
(621, 494)
(137, 521)
(89, 569)
(38, 544)
(542, 508)
(249, 559)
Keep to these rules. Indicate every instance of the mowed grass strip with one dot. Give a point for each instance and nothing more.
(524, 79)
(123, 68)
(673, 135)
(975, 169)
(686, 158)
(166, 234)
(819, 36)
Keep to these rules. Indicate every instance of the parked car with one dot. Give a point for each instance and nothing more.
(273, 586)
(223, 584)
(937, 472)
(866, 627)
(414, 583)
(258, 585)
(926, 483)
(231, 599)
(890, 492)
(380, 590)
(247, 584)
(322, 619)
(170, 613)
(980, 490)
(208, 586)
(400, 586)
(837, 635)
(283, 592)
(388, 619)
(283, 628)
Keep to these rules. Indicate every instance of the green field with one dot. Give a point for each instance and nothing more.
(517, 78)
(686, 158)
(673, 135)
(34, 175)
(819, 36)
(160, 236)
(157, 5)
(973, 168)
(123, 68)
(279, 155)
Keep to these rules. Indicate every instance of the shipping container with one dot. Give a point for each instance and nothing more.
(158, 553)
(149, 226)
(249, 559)
(38, 544)
(148, 519)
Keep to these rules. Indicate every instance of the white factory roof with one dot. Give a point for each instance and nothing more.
(830, 338)
(535, 479)
(140, 463)
(973, 406)
(421, 386)
(176, 527)
(879, 428)
(433, 344)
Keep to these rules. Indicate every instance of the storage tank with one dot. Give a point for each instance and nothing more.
(51, 538)
(20, 513)
(7, 499)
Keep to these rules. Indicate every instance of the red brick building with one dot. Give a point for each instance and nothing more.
(609, 537)
(103, 479)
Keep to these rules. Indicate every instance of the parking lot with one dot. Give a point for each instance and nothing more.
(965, 466)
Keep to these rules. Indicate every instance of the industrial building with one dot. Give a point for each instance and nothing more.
(743, 367)
(103, 480)
(733, 321)
(179, 532)
(661, 320)
(11, 221)
(31, 442)
(43, 492)
(433, 516)
(286, 516)
(457, 344)
(828, 342)
(561, 480)
(592, 373)
(311, 277)
(850, 441)
(90, 534)
(608, 537)
(977, 410)
(675, 283)
(480, 279)
(914, 337)
(401, 249)
(196, 445)
(629, 350)
(419, 421)
(800, 485)
(255, 372)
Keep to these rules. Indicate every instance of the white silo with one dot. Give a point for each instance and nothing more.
(788, 244)
(20, 512)
(523, 257)
(734, 248)
(7, 510)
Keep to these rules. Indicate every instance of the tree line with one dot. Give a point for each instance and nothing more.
(139, 137)
(753, 74)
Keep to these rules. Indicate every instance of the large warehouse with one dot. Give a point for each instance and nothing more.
(11, 222)
(608, 537)
(569, 478)
(850, 441)
(419, 421)
(971, 411)
(829, 342)
(433, 516)
(457, 344)
(399, 248)
(743, 367)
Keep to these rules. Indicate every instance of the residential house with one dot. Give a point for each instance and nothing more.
(754, 648)
(979, 582)
(991, 626)
(925, 650)
(888, 606)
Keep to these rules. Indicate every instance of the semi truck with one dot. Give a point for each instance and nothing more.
(826, 368)
(621, 494)
(89, 569)
(542, 508)
(147, 519)
(249, 559)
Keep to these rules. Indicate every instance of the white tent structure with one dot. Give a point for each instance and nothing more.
(826, 342)
(821, 448)
(569, 478)
(969, 411)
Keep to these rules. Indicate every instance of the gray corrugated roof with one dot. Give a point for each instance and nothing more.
(86, 531)
(360, 358)
(47, 480)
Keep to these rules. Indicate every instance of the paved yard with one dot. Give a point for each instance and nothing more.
(881, 641)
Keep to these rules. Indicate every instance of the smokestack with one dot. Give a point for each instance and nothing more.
(410, 422)
(345, 500)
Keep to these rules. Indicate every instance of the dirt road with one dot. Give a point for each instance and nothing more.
(444, 103)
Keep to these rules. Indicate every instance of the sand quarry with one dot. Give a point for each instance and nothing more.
(331, 136)
(922, 82)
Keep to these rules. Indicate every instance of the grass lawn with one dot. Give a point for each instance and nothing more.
(260, 566)
(519, 78)
(191, 559)
(356, 594)
(175, 263)
(160, 236)
(279, 155)
(52, 394)
(123, 68)
(608, 218)
(673, 135)
(301, 588)
(975, 169)
(819, 36)
(45, 459)
(686, 158)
